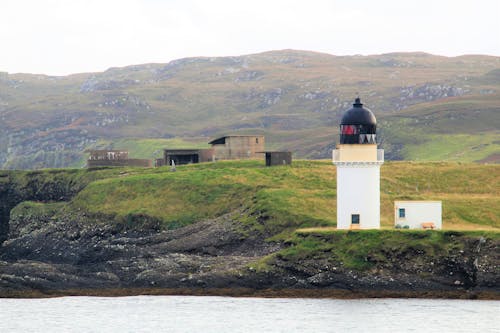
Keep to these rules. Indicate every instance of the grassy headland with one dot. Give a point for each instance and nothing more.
(286, 198)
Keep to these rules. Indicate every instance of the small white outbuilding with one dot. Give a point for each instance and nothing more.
(418, 214)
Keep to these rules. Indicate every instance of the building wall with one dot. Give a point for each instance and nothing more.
(159, 162)
(240, 147)
(202, 155)
(207, 155)
(358, 192)
(418, 212)
(278, 158)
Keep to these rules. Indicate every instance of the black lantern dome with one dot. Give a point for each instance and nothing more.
(358, 125)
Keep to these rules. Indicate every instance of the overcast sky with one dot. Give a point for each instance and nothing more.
(59, 37)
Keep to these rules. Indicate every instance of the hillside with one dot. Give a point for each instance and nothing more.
(295, 98)
(240, 228)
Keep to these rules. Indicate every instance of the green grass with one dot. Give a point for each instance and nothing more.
(278, 200)
(470, 192)
(28, 209)
(459, 147)
(282, 195)
(176, 201)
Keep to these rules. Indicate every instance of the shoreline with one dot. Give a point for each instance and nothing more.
(258, 293)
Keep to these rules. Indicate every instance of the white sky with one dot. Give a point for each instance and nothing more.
(59, 37)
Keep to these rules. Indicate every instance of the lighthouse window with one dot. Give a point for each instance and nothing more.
(355, 219)
(349, 129)
(402, 213)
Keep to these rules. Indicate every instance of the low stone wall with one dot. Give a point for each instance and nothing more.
(135, 162)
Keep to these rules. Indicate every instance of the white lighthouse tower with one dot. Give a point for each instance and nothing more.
(358, 164)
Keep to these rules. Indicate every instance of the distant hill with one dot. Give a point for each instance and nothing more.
(428, 107)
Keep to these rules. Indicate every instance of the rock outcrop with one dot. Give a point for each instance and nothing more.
(72, 253)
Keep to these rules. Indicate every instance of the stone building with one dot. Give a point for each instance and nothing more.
(238, 147)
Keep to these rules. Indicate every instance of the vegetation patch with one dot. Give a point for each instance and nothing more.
(29, 209)
(362, 250)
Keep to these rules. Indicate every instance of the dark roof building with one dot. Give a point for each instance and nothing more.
(274, 158)
(187, 156)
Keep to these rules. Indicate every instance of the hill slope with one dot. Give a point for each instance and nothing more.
(295, 98)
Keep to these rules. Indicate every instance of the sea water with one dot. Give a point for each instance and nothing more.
(229, 314)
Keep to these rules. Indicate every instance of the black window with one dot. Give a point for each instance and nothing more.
(402, 213)
(256, 140)
(355, 219)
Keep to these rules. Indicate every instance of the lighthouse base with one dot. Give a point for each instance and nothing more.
(358, 195)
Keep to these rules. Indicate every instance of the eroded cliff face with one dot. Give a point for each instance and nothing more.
(74, 251)
(10, 196)
(41, 186)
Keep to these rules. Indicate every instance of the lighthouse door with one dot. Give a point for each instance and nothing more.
(354, 221)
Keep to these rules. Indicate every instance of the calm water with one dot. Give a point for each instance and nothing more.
(226, 314)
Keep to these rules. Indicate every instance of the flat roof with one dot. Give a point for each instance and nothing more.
(229, 136)
(272, 151)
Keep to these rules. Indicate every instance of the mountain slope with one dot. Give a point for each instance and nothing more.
(295, 98)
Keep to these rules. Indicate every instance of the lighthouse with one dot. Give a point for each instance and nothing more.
(358, 164)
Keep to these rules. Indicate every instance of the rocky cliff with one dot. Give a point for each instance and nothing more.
(71, 254)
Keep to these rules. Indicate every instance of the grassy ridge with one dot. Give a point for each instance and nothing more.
(280, 194)
(285, 198)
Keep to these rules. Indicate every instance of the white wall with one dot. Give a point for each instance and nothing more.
(358, 192)
(418, 212)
